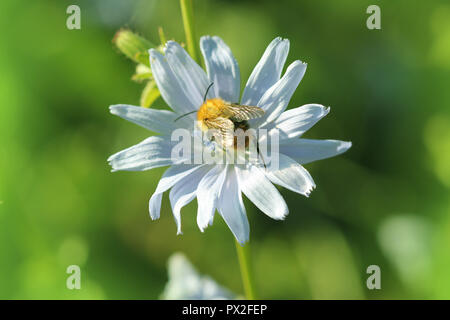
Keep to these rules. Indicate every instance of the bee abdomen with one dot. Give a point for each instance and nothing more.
(243, 125)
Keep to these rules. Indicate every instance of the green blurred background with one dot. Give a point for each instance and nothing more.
(384, 202)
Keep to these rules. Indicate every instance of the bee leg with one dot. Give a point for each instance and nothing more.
(259, 154)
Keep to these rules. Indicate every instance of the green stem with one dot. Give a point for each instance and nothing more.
(188, 23)
(243, 253)
(162, 36)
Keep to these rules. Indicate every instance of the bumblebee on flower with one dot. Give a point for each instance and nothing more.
(211, 100)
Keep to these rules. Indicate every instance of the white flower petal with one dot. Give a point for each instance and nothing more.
(222, 68)
(309, 150)
(231, 207)
(262, 192)
(276, 99)
(293, 123)
(160, 121)
(154, 205)
(207, 193)
(190, 75)
(292, 176)
(185, 283)
(151, 153)
(168, 85)
(184, 192)
(267, 72)
(170, 177)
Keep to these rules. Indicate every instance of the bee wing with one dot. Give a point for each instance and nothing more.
(225, 128)
(240, 112)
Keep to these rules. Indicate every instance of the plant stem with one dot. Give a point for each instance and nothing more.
(162, 36)
(243, 253)
(188, 23)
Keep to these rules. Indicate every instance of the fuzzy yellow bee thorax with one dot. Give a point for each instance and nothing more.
(212, 108)
(226, 117)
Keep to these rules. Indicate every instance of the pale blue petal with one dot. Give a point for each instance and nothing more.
(262, 192)
(170, 177)
(222, 68)
(184, 192)
(293, 123)
(277, 98)
(190, 75)
(231, 207)
(291, 175)
(308, 150)
(172, 92)
(160, 121)
(208, 192)
(267, 72)
(151, 153)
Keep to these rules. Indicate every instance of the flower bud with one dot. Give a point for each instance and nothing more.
(133, 46)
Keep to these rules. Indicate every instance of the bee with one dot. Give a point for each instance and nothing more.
(225, 118)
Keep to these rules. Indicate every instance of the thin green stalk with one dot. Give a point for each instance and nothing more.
(243, 253)
(188, 23)
(162, 36)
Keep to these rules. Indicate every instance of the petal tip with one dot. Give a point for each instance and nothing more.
(278, 40)
(205, 38)
(153, 216)
(113, 109)
(345, 146)
(153, 53)
(282, 215)
(310, 190)
(302, 66)
(217, 38)
(201, 226)
(169, 45)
